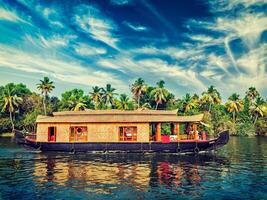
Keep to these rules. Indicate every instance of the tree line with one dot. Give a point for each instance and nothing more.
(243, 116)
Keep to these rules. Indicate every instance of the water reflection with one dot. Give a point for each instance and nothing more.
(139, 171)
(238, 171)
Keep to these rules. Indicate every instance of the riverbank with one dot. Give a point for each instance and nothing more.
(6, 134)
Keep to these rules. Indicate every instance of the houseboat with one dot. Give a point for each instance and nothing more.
(121, 131)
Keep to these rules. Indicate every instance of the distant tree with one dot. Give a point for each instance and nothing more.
(171, 102)
(159, 94)
(123, 103)
(74, 100)
(252, 93)
(210, 97)
(46, 86)
(96, 95)
(258, 109)
(188, 103)
(138, 88)
(10, 102)
(234, 105)
(109, 95)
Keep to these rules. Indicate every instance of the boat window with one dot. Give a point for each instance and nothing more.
(51, 134)
(128, 133)
(78, 134)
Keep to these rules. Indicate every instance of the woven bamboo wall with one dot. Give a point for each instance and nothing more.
(99, 132)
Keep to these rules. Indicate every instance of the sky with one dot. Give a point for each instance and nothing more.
(190, 44)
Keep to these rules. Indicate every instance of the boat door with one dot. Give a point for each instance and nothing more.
(51, 134)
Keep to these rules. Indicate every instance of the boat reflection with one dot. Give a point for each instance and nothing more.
(102, 173)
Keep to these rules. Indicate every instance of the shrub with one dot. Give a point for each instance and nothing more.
(5, 125)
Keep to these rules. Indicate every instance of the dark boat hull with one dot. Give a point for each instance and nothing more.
(171, 147)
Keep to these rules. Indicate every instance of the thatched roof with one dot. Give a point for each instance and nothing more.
(117, 116)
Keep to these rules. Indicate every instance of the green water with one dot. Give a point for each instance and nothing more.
(237, 171)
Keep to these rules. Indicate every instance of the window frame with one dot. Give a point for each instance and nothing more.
(74, 138)
(49, 134)
(122, 132)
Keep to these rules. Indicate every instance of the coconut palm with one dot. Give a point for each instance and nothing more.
(159, 94)
(46, 86)
(96, 95)
(210, 97)
(188, 103)
(138, 89)
(123, 103)
(77, 104)
(108, 95)
(252, 93)
(10, 102)
(234, 105)
(74, 100)
(258, 109)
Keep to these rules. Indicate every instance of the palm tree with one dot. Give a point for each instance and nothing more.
(96, 95)
(159, 94)
(234, 105)
(108, 95)
(10, 102)
(258, 109)
(46, 86)
(74, 100)
(252, 93)
(210, 97)
(138, 89)
(77, 104)
(123, 103)
(188, 103)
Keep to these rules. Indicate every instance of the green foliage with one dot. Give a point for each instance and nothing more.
(245, 129)
(75, 100)
(5, 125)
(28, 122)
(242, 116)
(165, 128)
(124, 103)
(159, 94)
(261, 126)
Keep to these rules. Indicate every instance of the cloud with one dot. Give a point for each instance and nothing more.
(91, 21)
(86, 50)
(54, 41)
(227, 5)
(70, 71)
(137, 28)
(11, 16)
(202, 38)
(120, 2)
(248, 27)
(254, 63)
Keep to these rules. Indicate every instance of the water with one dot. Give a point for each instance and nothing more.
(237, 171)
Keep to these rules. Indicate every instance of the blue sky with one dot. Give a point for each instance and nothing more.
(189, 44)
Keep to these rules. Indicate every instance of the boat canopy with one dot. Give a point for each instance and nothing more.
(117, 116)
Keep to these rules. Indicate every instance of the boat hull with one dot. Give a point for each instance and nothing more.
(193, 146)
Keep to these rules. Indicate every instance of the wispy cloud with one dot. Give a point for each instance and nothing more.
(12, 16)
(90, 20)
(53, 41)
(121, 2)
(86, 50)
(69, 71)
(137, 28)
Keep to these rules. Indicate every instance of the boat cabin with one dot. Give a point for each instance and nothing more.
(117, 126)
